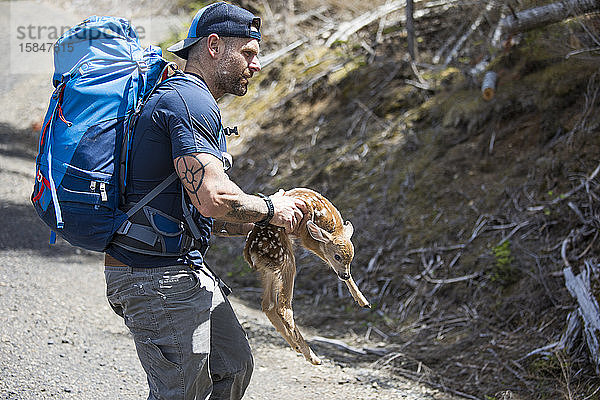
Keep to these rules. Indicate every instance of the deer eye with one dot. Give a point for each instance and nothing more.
(337, 257)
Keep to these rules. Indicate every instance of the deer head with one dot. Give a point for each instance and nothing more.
(335, 249)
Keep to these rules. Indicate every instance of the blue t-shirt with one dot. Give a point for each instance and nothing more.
(180, 118)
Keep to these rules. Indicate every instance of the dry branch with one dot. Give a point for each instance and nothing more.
(452, 280)
(545, 15)
(269, 58)
(580, 288)
(515, 229)
(565, 196)
(348, 28)
(350, 349)
(373, 261)
(474, 26)
(418, 85)
(410, 29)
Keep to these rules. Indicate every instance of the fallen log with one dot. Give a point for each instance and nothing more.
(545, 15)
(580, 288)
(586, 317)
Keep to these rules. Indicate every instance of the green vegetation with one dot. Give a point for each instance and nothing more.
(504, 271)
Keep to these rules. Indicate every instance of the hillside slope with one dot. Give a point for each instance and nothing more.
(460, 206)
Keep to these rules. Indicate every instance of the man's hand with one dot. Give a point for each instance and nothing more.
(289, 211)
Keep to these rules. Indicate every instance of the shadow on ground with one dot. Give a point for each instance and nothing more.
(22, 143)
(23, 230)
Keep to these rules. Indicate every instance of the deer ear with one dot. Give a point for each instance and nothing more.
(317, 233)
(348, 229)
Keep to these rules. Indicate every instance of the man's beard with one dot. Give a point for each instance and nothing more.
(231, 80)
(234, 84)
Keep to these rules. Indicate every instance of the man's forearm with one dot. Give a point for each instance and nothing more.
(241, 207)
(214, 194)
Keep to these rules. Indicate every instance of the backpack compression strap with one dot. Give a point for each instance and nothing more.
(141, 232)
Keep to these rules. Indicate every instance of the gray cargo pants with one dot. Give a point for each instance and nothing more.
(187, 336)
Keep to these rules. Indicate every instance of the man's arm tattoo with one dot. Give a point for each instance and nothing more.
(191, 172)
(241, 208)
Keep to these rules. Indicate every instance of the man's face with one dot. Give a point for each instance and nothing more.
(237, 65)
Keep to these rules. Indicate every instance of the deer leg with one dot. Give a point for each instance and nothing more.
(294, 337)
(288, 276)
(357, 294)
(271, 287)
(271, 306)
(285, 312)
(281, 327)
(305, 349)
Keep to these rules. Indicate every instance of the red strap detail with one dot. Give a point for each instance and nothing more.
(44, 133)
(39, 194)
(45, 184)
(61, 94)
(61, 115)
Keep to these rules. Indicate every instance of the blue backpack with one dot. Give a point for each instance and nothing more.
(102, 77)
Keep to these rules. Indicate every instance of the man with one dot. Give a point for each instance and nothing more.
(187, 337)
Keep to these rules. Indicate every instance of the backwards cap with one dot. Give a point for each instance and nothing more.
(221, 18)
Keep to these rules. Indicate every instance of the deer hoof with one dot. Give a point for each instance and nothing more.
(313, 359)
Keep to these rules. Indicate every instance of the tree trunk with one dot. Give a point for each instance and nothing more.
(548, 14)
(410, 29)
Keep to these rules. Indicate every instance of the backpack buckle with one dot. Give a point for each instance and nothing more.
(124, 228)
(142, 65)
(103, 195)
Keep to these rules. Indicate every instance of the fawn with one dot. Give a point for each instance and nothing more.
(269, 251)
